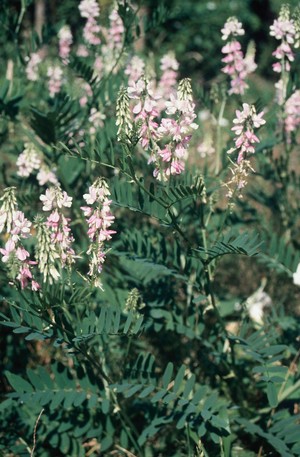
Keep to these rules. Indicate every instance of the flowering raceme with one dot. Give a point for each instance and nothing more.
(14, 254)
(31, 161)
(116, 30)
(245, 122)
(90, 10)
(292, 114)
(65, 41)
(55, 75)
(55, 239)
(237, 67)
(167, 141)
(134, 69)
(28, 161)
(33, 62)
(284, 29)
(99, 220)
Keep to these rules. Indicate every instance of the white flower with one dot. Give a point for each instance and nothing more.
(55, 198)
(232, 27)
(296, 276)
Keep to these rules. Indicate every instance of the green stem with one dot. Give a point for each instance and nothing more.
(20, 18)
(219, 137)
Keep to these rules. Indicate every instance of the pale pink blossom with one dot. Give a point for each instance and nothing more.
(284, 29)
(91, 32)
(245, 121)
(82, 51)
(292, 113)
(46, 175)
(89, 8)
(115, 31)
(134, 70)
(55, 75)
(33, 62)
(65, 42)
(21, 253)
(232, 27)
(21, 226)
(10, 247)
(99, 219)
(28, 161)
(18, 227)
(55, 198)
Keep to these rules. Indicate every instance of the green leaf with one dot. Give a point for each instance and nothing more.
(167, 375)
(18, 383)
(272, 395)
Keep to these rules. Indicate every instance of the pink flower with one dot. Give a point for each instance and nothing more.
(21, 226)
(292, 113)
(232, 27)
(91, 32)
(244, 122)
(33, 62)
(116, 30)
(134, 70)
(9, 248)
(35, 285)
(89, 8)
(55, 198)
(24, 276)
(55, 75)
(28, 161)
(65, 41)
(99, 220)
(46, 175)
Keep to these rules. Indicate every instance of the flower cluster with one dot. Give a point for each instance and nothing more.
(245, 140)
(245, 122)
(175, 132)
(232, 27)
(116, 30)
(95, 119)
(167, 141)
(61, 238)
(292, 113)
(55, 75)
(145, 109)
(65, 42)
(283, 29)
(237, 67)
(134, 69)
(14, 254)
(33, 62)
(30, 160)
(99, 220)
(90, 10)
(47, 175)
(168, 80)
